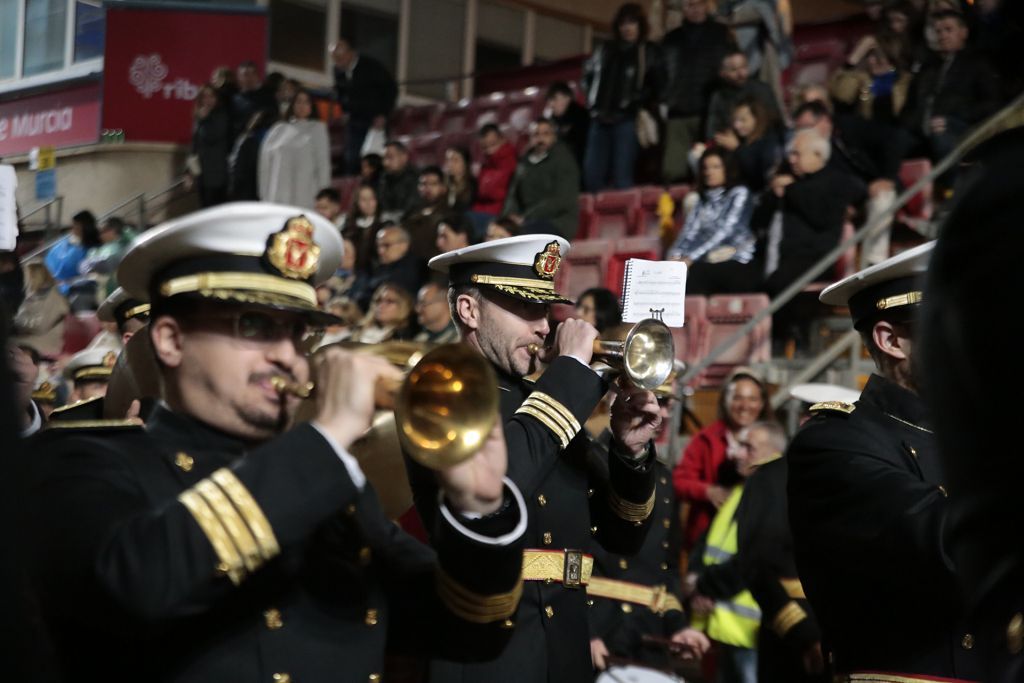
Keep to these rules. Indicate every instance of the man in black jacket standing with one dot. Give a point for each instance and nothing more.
(367, 93)
(868, 503)
(692, 54)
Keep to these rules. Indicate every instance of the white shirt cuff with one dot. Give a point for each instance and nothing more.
(347, 459)
(508, 538)
(36, 424)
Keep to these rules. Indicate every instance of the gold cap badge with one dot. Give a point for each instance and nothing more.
(548, 261)
(110, 359)
(293, 251)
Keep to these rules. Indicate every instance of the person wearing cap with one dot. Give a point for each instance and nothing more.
(499, 295)
(128, 313)
(220, 543)
(637, 613)
(89, 372)
(868, 503)
(789, 640)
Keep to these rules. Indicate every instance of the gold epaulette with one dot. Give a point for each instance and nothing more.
(95, 425)
(834, 406)
(76, 404)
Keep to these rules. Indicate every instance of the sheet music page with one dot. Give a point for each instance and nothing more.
(653, 289)
(8, 210)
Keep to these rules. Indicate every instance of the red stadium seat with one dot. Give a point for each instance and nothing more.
(648, 248)
(487, 109)
(918, 210)
(416, 120)
(425, 149)
(616, 214)
(585, 266)
(726, 314)
(454, 118)
(524, 107)
(649, 222)
(79, 329)
(346, 187)
(586, 203)
(691, 339)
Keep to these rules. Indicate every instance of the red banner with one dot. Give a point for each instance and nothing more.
(55, 119)
(156, 59)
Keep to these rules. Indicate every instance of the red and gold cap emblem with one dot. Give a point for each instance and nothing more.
(110, 359)
(292, 251)
(547, 261)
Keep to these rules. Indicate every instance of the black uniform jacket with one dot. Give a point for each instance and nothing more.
(177, 553)
(868, 512)
(622, 625)
(570, 507)
(768, 567)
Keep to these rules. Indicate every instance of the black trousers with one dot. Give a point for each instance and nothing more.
(728, 277)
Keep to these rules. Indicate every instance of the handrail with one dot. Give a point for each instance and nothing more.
(848, 342)
(881, 221)
(56, 200)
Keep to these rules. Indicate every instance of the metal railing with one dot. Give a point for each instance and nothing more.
(52, 210)
(143, 206)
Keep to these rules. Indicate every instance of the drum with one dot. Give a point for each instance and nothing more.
(636, 674)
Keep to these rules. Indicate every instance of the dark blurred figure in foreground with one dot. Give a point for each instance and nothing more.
(966, 366)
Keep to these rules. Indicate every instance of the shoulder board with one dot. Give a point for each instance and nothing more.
(131, 423)
(76, 404)
(834, 406)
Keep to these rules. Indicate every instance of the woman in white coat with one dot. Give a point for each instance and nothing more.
(295, 161)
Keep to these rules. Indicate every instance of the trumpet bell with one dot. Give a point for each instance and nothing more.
(447, 406)
(646, 356)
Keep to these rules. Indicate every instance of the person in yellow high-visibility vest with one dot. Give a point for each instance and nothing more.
(732, 617)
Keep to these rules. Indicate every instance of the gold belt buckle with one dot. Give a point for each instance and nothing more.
(573, 576)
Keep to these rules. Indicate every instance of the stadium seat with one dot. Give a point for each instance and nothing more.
(691, 339)
(416, 120)
(585, 266)
(486, 109)
(346, 187)
(727, 313)
(648, 248)
(79, 329)
(524, 107)
(650, 195)
(616, 214)
(918, 211)
(425, 149)
(454, 118)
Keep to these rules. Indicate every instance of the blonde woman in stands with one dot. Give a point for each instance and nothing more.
(391, 316)
(716, 241)
(39, 322)
(755, 140)
(295, 156)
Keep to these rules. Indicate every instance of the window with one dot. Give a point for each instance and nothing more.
(8, 38)
(89, 30)
(45, 27)
(499, 37)
(557, 39)
(297, 36)
(436, 47)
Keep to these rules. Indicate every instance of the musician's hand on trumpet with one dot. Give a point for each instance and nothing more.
(574, 337)
(346, 383)
(476, 485)
(636, 417)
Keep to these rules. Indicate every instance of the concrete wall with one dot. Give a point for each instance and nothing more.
(99, 177)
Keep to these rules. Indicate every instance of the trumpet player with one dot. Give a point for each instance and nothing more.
(499, 294)
(221, 543)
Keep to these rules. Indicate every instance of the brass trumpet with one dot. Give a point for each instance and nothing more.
(444, 408)
(645, 356)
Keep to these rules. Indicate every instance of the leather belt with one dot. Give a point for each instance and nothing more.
(889, 677)
(571, 568)
(655, 598)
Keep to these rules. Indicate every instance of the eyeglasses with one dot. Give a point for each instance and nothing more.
(431, 302)
(261, 327)
(388, 245)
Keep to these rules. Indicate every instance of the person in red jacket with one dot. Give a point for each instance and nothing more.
(743, 401)
(496, 171)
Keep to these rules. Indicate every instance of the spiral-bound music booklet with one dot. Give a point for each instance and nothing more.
(654, 289)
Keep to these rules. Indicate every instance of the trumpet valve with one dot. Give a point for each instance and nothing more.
(300, 390)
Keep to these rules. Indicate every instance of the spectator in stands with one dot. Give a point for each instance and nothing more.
(501, 228)
(64, 257)
(453, 232)
(39, 321)
(367, 93)
(434, 316)
(496, 171)
(212, 135)
(295, 157)
(398, 182)
(225, 82)
(389, 318)
(811, 92)
(251, 97)
(599, 307)
(755, 140)
(716, 242)
(570, 118)
(808, 209)
(693, 53)
(763, 30)
(285, 93)
(361, 226)
(735, 84)
(544, 194)
(12, 283)
(243, 163)
(103, 260)
(328, 205)
(621, 77)
(458, 178)
(871, 86)
(743, 401)
(350, 314)
(395, 263)
(371, 166)
(421, 222)
(954, 90)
